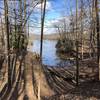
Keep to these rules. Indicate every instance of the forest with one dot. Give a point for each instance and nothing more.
(23, 73)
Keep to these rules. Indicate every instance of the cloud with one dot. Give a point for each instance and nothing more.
(60, 22)
(50, 28)
(48, 6)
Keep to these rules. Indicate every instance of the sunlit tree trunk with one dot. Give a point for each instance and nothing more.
(25, 16)
(82, 29)
(15, 19)
(2, 38)
(8, 45)
(77, 42)
(20, 30)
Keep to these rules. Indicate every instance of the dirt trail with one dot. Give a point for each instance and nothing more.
(31, 76)
(39, 76)
(28, 91)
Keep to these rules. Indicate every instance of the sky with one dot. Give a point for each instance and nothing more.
(56, 10)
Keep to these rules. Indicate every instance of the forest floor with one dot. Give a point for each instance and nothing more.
(52, 85)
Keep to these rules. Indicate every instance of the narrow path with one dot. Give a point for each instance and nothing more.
(28, 92)
(31, 80)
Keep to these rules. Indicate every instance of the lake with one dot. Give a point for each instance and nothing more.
(50, 56)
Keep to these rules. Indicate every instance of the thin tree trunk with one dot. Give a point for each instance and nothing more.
(77, 64)
(3, 43)
(77, 60)
(15, 20)
(25, 16)
(41, 46)
(82, 29)
(98, 35)
(8, 45)
(20, 3)
(76, 19)
(42, 27)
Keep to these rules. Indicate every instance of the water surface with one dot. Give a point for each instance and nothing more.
(50, 56)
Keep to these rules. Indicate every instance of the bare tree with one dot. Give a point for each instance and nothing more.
(98, 34)
(8, 45)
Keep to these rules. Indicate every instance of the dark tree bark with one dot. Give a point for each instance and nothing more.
(98, 34)
(42, 27)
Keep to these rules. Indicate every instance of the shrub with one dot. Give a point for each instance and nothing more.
(65, 45)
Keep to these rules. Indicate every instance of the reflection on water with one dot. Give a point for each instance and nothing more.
(49, 53)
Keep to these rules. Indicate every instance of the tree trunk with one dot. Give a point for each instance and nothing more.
(8, 45)
(77, 42)
(41, 46)
(98, 35)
